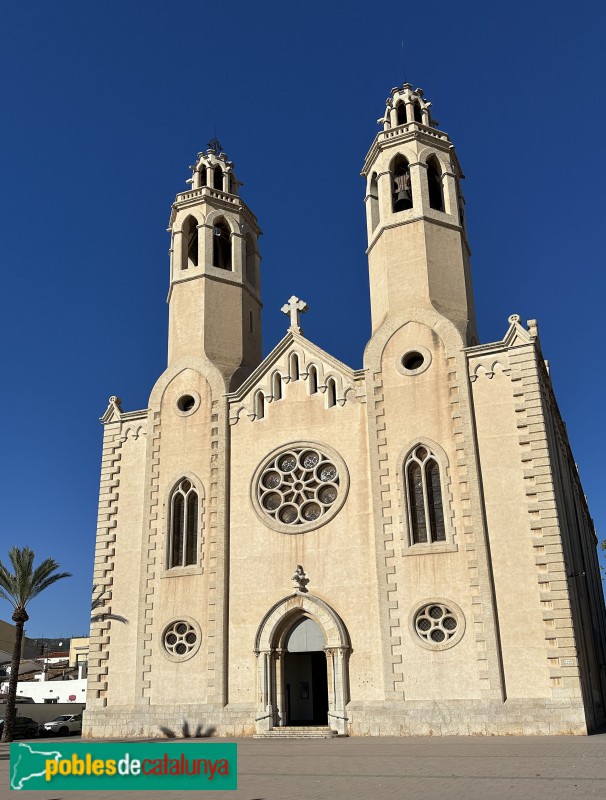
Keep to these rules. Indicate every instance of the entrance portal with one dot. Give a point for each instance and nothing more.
(302, 650)
(305, 675)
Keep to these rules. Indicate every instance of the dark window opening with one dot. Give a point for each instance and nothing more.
(186, 402)
(313, 380)
(294, 367)
(259, 405)
(277, 386)
(424, 497)
(218, 178)
(192, 248)
(189, 243)
(401, 113)
(374, 201)
(418, 113)
(203, 176)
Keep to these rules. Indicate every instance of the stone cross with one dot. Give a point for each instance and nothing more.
(295, 308)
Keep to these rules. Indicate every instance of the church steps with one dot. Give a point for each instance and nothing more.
(299, 732)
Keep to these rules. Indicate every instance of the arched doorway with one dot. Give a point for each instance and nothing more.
(305, 675)
(302, 650)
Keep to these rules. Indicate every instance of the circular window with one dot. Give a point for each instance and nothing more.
(181, 639)
(301, 488)
(438, 624)
(187, 403)
(413, 362)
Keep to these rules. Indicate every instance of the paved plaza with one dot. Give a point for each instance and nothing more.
(447, 768)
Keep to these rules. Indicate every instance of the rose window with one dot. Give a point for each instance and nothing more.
(300, 488)
(181, 639)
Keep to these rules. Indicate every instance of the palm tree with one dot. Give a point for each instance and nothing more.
(19, 587)
(98, 602)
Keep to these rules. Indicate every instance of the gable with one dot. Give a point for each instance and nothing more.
(295, 358)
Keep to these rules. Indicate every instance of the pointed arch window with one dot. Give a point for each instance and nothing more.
(434, 183)
(294, 367)
(424, 497)
(331, 391)
(402, 191)
(276, 386)
(259, 405)
(183, 525)
(417, 111)
(203, 177)
(221, 246)
(218, 178)
(190, 243)
(313, 380)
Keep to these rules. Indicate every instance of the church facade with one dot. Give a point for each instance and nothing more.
(302, 547)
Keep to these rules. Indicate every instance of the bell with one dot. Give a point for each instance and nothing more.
(403, 196)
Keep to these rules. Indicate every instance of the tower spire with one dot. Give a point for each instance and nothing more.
(214, 298)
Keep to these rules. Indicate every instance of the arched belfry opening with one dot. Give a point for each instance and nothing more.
(190, 243)
(401, 113)
(434, 184)
(417, 111)
(302, 650)
(401, 196)
(373, 199)
(218, 178)
(221, 246)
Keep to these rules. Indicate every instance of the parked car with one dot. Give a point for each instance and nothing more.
(62, 726)
(23, 726)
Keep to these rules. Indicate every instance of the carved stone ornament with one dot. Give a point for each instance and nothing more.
(300, 579)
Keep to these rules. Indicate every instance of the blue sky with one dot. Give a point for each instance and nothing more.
(104, 106)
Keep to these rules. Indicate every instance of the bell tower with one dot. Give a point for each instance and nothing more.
(417, 245)
(214, 298)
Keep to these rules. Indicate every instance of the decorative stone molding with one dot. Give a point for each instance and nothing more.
(100, 634)
(300, 580)
(538, 439)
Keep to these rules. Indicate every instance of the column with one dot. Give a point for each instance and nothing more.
(418, 185)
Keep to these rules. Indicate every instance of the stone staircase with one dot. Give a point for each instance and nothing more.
(299, 732)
